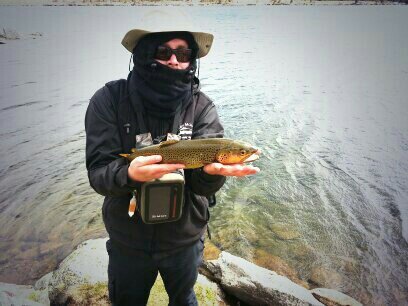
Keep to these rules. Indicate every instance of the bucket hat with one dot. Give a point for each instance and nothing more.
(159, 21)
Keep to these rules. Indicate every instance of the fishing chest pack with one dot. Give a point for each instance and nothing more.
(160, 200)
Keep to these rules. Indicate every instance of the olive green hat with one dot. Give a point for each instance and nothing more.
(159, 21)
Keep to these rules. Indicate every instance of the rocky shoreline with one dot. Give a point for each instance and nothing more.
(194, 2)
(81, 279)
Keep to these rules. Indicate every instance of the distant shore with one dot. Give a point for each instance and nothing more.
(191, 2)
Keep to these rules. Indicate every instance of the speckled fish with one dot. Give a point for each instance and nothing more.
(196, 153)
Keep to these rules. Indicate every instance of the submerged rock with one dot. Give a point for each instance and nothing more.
(211, 251)
(302, 251)
(325, 278)
(277, 264)
(284, 232)
(9, 34)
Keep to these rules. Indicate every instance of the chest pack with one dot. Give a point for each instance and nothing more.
(159, 200)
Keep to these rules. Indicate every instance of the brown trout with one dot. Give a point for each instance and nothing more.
(196, 153)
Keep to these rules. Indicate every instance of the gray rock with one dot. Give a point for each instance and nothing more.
(10, 34)
(330, 297)
(81, 279)
(13, 295)
(255, 285)
(85, 267)
(258, 286)
(43, 282)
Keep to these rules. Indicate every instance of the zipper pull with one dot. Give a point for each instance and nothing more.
(127, 127)
(132, 205)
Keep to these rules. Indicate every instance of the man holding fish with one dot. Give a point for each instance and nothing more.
(127, 153)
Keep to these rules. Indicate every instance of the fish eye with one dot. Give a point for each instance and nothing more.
(242, 152)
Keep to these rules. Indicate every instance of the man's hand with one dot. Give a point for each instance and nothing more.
(145, 168)
(230, 170)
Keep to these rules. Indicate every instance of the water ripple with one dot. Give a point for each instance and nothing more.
(22, 105)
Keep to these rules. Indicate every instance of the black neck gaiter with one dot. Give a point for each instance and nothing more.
(163, 90)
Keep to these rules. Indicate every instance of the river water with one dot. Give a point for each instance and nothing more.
(321, 90)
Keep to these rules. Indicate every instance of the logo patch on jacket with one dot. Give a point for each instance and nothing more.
(186, 131)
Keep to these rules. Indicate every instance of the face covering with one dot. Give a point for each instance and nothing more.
(163, 90)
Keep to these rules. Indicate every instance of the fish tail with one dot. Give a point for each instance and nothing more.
(124, 155)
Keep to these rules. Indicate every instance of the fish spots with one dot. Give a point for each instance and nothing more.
(197, 153)
(222, 157)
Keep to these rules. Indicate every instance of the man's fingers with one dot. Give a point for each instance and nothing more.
(146, 168)
(247, 170)
(157, 171)
(232, 170)
(164, 168)
(147, 160)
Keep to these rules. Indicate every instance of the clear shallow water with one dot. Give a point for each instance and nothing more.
(321, 90)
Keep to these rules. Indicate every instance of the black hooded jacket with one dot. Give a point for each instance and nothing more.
(106, 123)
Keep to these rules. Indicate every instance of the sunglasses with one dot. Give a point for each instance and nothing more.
(164, 53)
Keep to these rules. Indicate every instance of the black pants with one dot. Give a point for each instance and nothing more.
(132, 275)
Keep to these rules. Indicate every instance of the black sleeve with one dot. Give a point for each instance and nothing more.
(207, 125)
(107, 171)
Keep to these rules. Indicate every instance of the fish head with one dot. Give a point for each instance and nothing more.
(237, 152)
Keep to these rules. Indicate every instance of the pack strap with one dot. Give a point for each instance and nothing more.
(139, 109)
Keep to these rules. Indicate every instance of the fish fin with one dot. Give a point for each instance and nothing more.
(124, 155)
(168, 142)
(133, 150)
